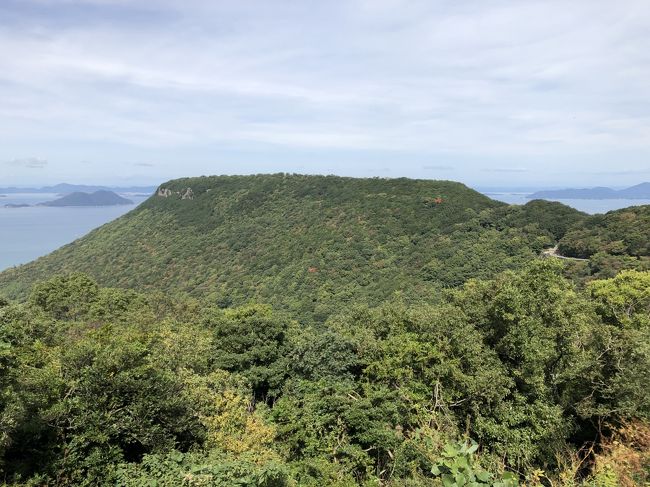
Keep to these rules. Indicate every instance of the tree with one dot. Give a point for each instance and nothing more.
(251, 341)
(65, 297)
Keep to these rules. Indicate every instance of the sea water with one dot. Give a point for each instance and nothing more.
(29, 233)
(34, 231)
(588, 206)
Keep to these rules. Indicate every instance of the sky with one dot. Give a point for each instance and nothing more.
(491, 93)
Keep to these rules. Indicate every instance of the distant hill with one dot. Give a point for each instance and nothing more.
(17, 205)
(306, 244)
(98, 198)
(640, 191)
(621, 232)
(65, 188)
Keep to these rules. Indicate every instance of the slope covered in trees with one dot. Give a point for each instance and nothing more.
(105, 386)
(306, 244)
(612, 242)
(620, 232)
(319, 331)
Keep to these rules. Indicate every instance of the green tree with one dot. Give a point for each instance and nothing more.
(65, 297)
(251, 341)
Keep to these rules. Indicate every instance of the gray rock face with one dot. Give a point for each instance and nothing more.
(186, 194)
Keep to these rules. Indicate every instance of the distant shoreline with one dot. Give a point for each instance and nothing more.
(637, 192)
(65, 188)
(98, 198)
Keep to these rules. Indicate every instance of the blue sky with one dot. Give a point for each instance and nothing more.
(492, 93)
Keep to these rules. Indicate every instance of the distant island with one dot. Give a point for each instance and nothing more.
(17, 205)
(98, 198)
(638, 192)
(65, 188)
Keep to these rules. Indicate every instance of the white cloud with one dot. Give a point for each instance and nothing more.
(493, 79)
(28, 162)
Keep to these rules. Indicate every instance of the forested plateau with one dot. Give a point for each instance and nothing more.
(289, 330)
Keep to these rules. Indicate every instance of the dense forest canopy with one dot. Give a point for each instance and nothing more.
(621, 232)
(308, 244)
(293, 330)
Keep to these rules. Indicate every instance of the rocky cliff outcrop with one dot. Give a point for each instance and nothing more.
(186, 194)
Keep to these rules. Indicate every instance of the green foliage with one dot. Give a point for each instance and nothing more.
(623, 303)
(457, 468)
(187, 469)
(550, 216)
(305, 244)
(252, 342)
(625, 300)
(544, 333)
(134, 389)
(101, 401)
(322, 354)
(604, 265)
(397, 327)
(620, 232)
(65, 297)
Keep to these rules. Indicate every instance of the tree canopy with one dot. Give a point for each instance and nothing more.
(318, 331)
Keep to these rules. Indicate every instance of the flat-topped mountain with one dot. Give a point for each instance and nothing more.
(307, 244)
(172, 384)
(98, 198)
(640, 191)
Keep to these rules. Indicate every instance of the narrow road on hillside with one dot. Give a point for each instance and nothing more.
(552, 252)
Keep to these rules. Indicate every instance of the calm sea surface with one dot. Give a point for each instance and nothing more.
(28, 233)
(588, 206)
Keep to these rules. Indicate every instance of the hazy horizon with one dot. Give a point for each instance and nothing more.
(155, 183)
(493, 93)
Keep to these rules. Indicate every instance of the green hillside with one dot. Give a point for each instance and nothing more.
(612, 242)
(620, 232)
(286, 331)
(110, 387)
(307, 244)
